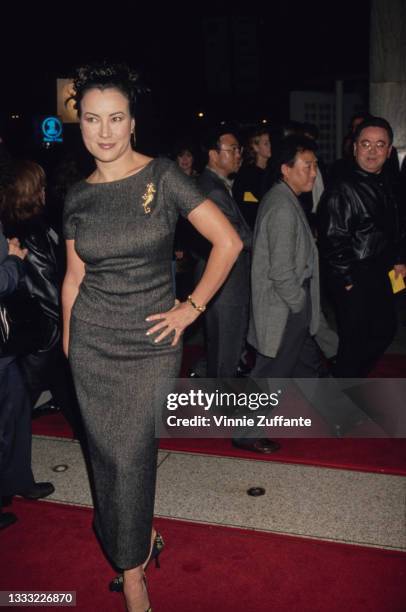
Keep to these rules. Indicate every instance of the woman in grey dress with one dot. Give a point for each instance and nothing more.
(122, 328)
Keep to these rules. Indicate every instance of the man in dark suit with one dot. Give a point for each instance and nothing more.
(226, 317)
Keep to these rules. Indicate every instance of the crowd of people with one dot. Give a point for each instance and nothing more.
(259, 232)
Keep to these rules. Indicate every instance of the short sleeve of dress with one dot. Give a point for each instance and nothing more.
(181, 190)
(69, 220)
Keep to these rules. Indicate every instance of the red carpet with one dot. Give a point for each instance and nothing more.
(52, 425)
(204, 568)
(390, 366)
(384, 456)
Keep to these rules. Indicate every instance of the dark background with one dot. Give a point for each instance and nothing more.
(301, 45)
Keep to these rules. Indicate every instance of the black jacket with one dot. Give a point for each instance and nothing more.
(40, 265)
(359, 225)
(248, 191)
(215, 189)
(236, 287)
(11, 268)
(11, 271)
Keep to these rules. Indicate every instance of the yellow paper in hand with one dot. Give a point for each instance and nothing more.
(398, 284)
(249, 197)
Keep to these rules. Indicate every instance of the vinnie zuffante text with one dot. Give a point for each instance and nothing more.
(217, 400)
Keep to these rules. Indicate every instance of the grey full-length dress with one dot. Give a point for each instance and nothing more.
(123, 231)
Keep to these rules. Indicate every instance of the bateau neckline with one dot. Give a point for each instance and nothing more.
(125, 178)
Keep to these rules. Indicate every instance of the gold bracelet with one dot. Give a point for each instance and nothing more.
(195, 306)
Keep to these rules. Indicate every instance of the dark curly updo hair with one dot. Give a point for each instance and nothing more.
(106, 75)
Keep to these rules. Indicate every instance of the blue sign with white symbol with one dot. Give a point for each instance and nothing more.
(52, 130)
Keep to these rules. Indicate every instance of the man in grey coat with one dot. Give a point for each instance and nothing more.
(285, 303)
(285, 300)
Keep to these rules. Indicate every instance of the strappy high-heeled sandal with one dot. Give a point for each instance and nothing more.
(116, 585)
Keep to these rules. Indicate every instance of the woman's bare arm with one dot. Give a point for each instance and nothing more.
(213, 225)
(75, 271)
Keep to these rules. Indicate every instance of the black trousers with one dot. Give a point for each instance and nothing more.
(49, 370)
(15, 432)
(298, 355)
(300, 358)
(226, 330)
(366, 320)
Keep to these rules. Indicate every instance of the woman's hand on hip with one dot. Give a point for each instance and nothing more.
(174, 320)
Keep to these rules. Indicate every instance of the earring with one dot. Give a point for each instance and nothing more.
(133, 139)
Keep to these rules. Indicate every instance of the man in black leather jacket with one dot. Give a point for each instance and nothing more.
(360, 241)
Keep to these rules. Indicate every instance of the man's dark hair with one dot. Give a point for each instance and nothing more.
(378, 122)
(211, 139)
(289, 149)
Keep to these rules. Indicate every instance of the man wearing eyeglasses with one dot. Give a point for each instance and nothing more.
(227, 315)
(360, 241)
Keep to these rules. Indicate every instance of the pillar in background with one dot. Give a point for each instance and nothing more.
(388, 66)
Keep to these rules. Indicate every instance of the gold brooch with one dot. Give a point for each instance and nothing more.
(148, 197)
